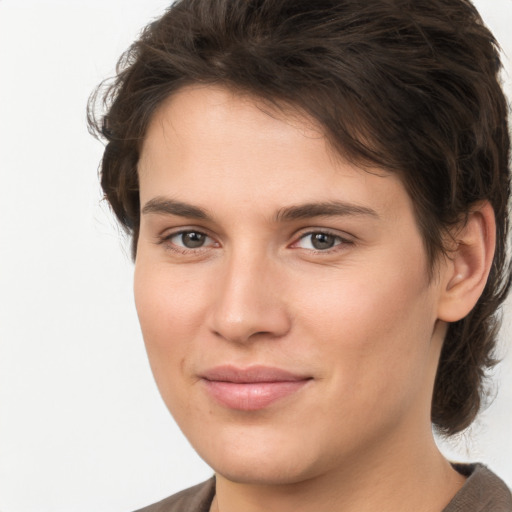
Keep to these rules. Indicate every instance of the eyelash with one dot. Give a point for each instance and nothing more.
(167, 241)
(340, 241)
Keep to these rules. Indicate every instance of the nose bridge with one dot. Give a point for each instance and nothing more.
(249, 298)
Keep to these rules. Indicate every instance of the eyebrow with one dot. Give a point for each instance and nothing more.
(172, 207)
(161, 205)
(324, 209)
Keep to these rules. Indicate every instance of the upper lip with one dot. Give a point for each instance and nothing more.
(251, 374)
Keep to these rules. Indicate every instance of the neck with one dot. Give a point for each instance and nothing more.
(406, 476)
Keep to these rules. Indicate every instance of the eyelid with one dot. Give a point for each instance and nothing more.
(344, 238)
(165, 239)
(166, 236)
(169, 232)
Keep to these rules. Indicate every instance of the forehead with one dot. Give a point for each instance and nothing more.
(206, 139)
(199, 115)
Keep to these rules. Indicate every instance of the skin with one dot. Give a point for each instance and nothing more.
(361, 319)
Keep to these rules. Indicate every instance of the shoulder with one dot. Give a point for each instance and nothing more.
(193, 499)
(482, 492)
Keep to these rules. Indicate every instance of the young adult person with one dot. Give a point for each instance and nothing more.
(317, 194)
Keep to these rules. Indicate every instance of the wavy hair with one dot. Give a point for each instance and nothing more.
(411, 86)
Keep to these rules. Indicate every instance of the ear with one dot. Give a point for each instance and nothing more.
(466, 268)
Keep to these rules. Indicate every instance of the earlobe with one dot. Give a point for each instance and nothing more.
(467, 267)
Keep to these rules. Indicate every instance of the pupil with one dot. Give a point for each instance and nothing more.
(193, 240)
(322, 241)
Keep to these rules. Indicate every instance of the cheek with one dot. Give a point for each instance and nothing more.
(168, 300)
(170, 311)
(373, 331)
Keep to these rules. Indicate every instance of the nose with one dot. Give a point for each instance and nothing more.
(249, 302)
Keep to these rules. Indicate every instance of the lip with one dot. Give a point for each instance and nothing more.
(252, 388)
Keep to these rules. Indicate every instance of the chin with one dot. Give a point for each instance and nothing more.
(262, 472)
(268, 460)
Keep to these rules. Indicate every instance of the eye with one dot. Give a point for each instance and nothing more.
(319, 241)
(190, 239)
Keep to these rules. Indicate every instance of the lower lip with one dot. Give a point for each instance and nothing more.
(251, 396)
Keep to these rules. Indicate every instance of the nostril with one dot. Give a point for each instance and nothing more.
(245, 307)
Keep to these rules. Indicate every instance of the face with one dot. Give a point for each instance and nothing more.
(283, 293)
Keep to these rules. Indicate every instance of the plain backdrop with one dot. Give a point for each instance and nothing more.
(82, 427)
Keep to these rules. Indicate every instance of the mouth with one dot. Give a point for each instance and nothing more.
(253, 388)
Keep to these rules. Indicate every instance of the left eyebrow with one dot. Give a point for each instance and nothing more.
(325, 209)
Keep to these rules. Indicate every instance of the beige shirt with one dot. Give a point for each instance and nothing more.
(482, 492)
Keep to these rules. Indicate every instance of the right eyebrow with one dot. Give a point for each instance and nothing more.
(167, 206)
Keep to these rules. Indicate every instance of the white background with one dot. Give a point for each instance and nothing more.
(82, 427)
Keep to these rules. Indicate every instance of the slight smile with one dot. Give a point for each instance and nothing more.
(251, 389)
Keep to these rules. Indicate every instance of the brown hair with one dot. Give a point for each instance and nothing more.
(408, 85)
